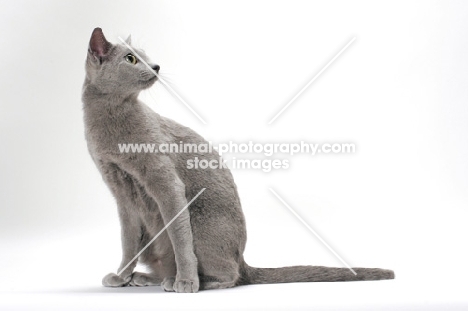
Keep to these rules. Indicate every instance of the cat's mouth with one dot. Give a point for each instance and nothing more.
(153, 78)
(150, 81)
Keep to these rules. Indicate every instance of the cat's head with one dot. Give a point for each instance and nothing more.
(114, 68)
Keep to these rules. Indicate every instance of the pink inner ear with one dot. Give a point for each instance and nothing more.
(98, 44)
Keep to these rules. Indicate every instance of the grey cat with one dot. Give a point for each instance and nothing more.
(203, 248)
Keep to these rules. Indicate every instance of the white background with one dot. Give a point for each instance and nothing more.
(399, 93)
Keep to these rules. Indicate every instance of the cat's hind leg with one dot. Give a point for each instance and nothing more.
(217, 285)
(219, 273)
(160, 270)
(145, 279)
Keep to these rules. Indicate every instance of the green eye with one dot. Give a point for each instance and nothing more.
(131, 58)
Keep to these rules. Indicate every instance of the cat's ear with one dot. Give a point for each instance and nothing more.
(129, 40)
(99, 47)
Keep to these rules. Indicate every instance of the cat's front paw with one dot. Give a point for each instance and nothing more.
(168, 284)
(186, 286)
(113, 280)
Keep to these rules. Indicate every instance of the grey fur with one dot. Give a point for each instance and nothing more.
(203, 248)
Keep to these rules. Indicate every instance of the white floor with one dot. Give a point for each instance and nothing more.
(391, 295)
(59, 275)
(383, 296)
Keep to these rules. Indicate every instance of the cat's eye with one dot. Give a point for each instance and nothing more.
(130, 58)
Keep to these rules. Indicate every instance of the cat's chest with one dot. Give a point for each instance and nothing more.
(108, 136)
(131, 191)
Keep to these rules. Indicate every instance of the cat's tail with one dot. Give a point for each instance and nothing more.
(251, 275)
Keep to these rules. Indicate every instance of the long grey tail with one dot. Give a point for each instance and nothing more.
(251, 275)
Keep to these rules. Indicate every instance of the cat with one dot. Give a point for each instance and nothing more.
(203, 248)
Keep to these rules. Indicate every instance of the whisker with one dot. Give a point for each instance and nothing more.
(168, 73)
(166, 79)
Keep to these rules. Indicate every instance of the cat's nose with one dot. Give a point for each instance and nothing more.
(156, 68)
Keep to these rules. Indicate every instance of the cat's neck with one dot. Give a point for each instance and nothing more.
(105, 108)
(92, 94)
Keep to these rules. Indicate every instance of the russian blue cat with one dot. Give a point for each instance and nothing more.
(203, 248)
